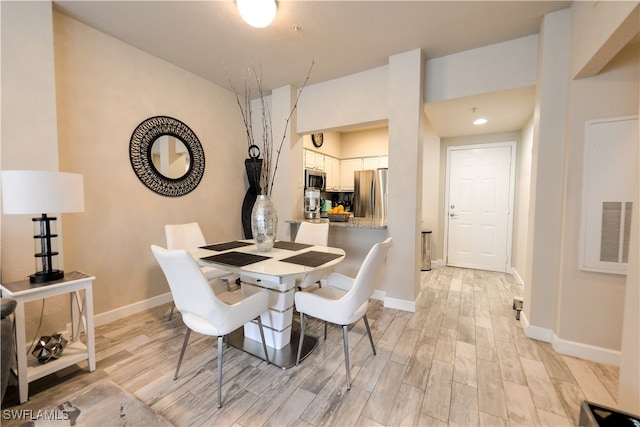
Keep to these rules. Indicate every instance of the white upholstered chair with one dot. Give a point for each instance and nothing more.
(344, 300)
(312, 234)
(189, 236)
(202, 310)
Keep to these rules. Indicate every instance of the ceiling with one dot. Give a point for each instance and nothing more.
(209, 39)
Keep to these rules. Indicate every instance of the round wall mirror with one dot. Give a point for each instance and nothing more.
(167, 156)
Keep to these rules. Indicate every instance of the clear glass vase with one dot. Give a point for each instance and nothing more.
(264, 223)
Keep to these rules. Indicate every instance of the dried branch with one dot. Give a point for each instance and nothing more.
(266, 176)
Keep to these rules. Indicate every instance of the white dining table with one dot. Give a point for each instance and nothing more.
(276, 272)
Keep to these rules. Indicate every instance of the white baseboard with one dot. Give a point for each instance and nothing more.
(516, 275)
(400, 304)
(586, 351)
(570, 348)
(535, 332)
(128, 310)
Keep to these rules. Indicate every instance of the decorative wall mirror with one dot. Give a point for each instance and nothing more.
(167, 156)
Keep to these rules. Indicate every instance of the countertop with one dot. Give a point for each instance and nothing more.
(353, 222)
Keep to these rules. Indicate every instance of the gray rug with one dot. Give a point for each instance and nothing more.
(104, 404)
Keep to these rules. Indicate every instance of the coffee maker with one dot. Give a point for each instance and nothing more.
(312, 205)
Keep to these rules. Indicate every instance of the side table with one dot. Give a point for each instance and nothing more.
(79, 286)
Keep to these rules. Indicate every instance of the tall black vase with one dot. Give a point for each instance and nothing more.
(253, 166)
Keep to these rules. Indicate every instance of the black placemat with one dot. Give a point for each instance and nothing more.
(311, 258)
(236, 259)
(290, 246)
(219, 247)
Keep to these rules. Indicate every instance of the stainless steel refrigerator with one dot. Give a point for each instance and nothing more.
(370, 193)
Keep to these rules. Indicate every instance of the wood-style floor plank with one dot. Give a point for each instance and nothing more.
(461, 359)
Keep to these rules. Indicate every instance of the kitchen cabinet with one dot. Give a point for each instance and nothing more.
(375, 162)
(335, 176)
(347, 168)
(313, 160)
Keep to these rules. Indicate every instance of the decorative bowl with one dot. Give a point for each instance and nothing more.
(339, 217)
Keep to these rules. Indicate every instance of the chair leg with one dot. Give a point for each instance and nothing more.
(264, 342)
(366, 323)
(220, 372)
(302, 325)
(173, 306)
(184, 347)
(345, 336)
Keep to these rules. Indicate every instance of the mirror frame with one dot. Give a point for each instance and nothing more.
(142, 139)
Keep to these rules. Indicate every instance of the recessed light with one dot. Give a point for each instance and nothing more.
(480, 121)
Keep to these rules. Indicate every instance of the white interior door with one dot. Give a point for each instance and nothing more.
(479, 207)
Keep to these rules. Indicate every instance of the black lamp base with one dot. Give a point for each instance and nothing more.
(46, 276)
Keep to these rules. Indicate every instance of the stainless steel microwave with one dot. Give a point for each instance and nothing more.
(315, 179)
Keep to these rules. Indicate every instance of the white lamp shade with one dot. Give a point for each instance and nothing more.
(39, 192)
(257, 13)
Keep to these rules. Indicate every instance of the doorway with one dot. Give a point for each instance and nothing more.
(479, 206)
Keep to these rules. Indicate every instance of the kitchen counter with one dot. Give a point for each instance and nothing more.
(353, 222)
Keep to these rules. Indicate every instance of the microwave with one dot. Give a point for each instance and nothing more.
(315, 179)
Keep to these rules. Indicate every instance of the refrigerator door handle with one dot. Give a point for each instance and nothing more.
(372, 199)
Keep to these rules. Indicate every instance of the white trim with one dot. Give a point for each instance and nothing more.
(516, 275)
(535, 332)
(400, 304)
(128, 310)
(586, 351)
(570, 348)
(512, 178)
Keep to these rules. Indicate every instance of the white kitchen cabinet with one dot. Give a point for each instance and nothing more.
(309, 159)
(320, 158)
(370, 163)
(375, 162)
(313, 160)
(335, 166)
(347, 168)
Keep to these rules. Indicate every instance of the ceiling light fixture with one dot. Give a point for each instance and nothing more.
(480, 120)
(257, 13)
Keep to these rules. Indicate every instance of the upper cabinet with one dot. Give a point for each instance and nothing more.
(347, 168)
(313, 160)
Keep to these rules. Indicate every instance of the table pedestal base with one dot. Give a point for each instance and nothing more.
(284, 357)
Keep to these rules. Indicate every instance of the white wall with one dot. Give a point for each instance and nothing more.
(507, 65)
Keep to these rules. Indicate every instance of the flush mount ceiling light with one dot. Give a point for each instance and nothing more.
(257, 13)
(480, 120)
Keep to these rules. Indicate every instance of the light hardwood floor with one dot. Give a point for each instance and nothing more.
(461, 359)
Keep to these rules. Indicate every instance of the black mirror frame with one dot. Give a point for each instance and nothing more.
(142, 139)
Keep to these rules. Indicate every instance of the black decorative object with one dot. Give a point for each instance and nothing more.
(253, 166)
(140, 154)
(49, 348)
(317, 139)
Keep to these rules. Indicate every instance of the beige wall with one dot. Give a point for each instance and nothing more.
(105, 88)
(523, 185)
(590, 304)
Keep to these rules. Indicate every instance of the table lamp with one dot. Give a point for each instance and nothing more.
(42, 192)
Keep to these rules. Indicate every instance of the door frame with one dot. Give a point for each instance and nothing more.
(510, 216)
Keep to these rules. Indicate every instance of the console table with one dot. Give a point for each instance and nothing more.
(79, 286)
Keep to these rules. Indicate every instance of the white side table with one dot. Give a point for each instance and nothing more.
(73, 283)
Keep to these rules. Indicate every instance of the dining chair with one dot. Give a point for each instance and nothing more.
(189, 236)
(204, 311)
(343, 300)
(312, 234)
